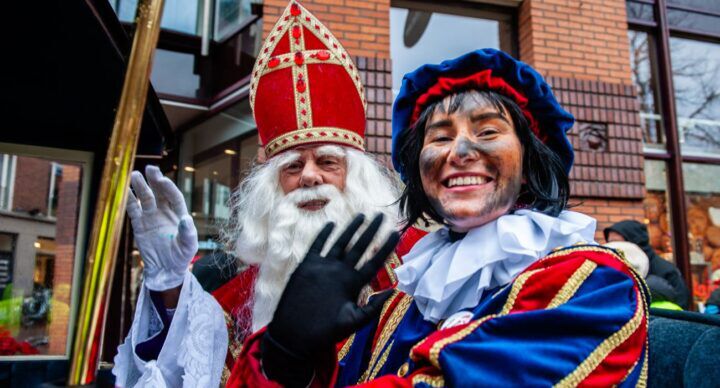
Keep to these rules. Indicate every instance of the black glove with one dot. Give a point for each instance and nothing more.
(319, 305)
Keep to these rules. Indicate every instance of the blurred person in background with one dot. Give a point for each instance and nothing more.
(636, 232)
(660, 290)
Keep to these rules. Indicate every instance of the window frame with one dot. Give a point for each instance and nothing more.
(86, 160)
(661, 32)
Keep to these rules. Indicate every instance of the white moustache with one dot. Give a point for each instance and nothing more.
(307, 194)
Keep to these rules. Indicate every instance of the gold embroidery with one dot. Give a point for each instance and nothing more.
(606, 347)
(303, 108)
(630, 371)
(392, 261)
(433, 381)
(310, 58)
(387, 330)
(642, 381)
(582, 248)
(279, 29)
(516, 288)
(381, 362)
(311, 135)
(346, 348)
(225, 376)
(311, 23)
(439, 345)
(573, 284)
(334, 45)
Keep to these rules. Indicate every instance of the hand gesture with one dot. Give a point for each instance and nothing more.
(164, 231)
(319, 305)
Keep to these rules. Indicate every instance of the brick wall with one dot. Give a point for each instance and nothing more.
(607, 138)
(65, 237)
(576, 39)
(32, 183)
(608, 211)
(582, 48)
(376, 75)
(362, 26)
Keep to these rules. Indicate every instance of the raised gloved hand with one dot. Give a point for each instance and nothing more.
(164, 231)
(319, 305)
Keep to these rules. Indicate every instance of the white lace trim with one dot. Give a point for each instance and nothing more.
(445, 277)
(194, 351)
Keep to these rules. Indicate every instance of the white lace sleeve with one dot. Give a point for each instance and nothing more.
(194, 351)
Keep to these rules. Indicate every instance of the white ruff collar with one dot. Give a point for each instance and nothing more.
(445, 277)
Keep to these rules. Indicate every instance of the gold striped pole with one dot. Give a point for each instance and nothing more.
(110, 208)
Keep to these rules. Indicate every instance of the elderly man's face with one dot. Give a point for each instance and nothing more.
(314, 166)
(471, 163)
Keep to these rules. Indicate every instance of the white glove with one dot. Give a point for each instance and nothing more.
(164, 231)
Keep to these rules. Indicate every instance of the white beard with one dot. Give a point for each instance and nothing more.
(293, 231)
(278, 235)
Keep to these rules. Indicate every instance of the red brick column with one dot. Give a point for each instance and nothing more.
(582, 48)
(65, 238)
(576, 39)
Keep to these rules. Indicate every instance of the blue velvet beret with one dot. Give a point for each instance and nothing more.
(551, 120)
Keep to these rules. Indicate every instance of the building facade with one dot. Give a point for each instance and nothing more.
(639, 76)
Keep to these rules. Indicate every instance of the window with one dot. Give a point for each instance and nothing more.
(703, 216)
(53, 192)
(7, 178)
(424, 33)
(40, 233)
(696, 79)
(685, 150)
(214, 157)
(179, 15)
(657, 210)
(644, 69)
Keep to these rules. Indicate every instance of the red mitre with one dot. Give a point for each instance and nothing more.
(305, 89)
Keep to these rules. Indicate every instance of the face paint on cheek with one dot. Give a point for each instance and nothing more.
(431, 159)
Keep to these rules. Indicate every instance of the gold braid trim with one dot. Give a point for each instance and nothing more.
(381, 362)
(573, 284)
(314, 135)
(601, 352)
(433, 381)
(389, 267)
(439, 345)
(642, 381)
(387, 330)
(309, 56)
(271, 41)
(303, 108)
(346, 348)
(515, 291)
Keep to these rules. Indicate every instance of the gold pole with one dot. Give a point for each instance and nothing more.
(110, 208)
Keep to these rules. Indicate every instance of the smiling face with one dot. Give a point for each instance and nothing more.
(313, 166)
(471, 162)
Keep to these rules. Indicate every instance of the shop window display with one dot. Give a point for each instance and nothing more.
(644, 68)
(697, 95)
(214, 174)
(39, 225)
(657, 210)
(702, 194)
